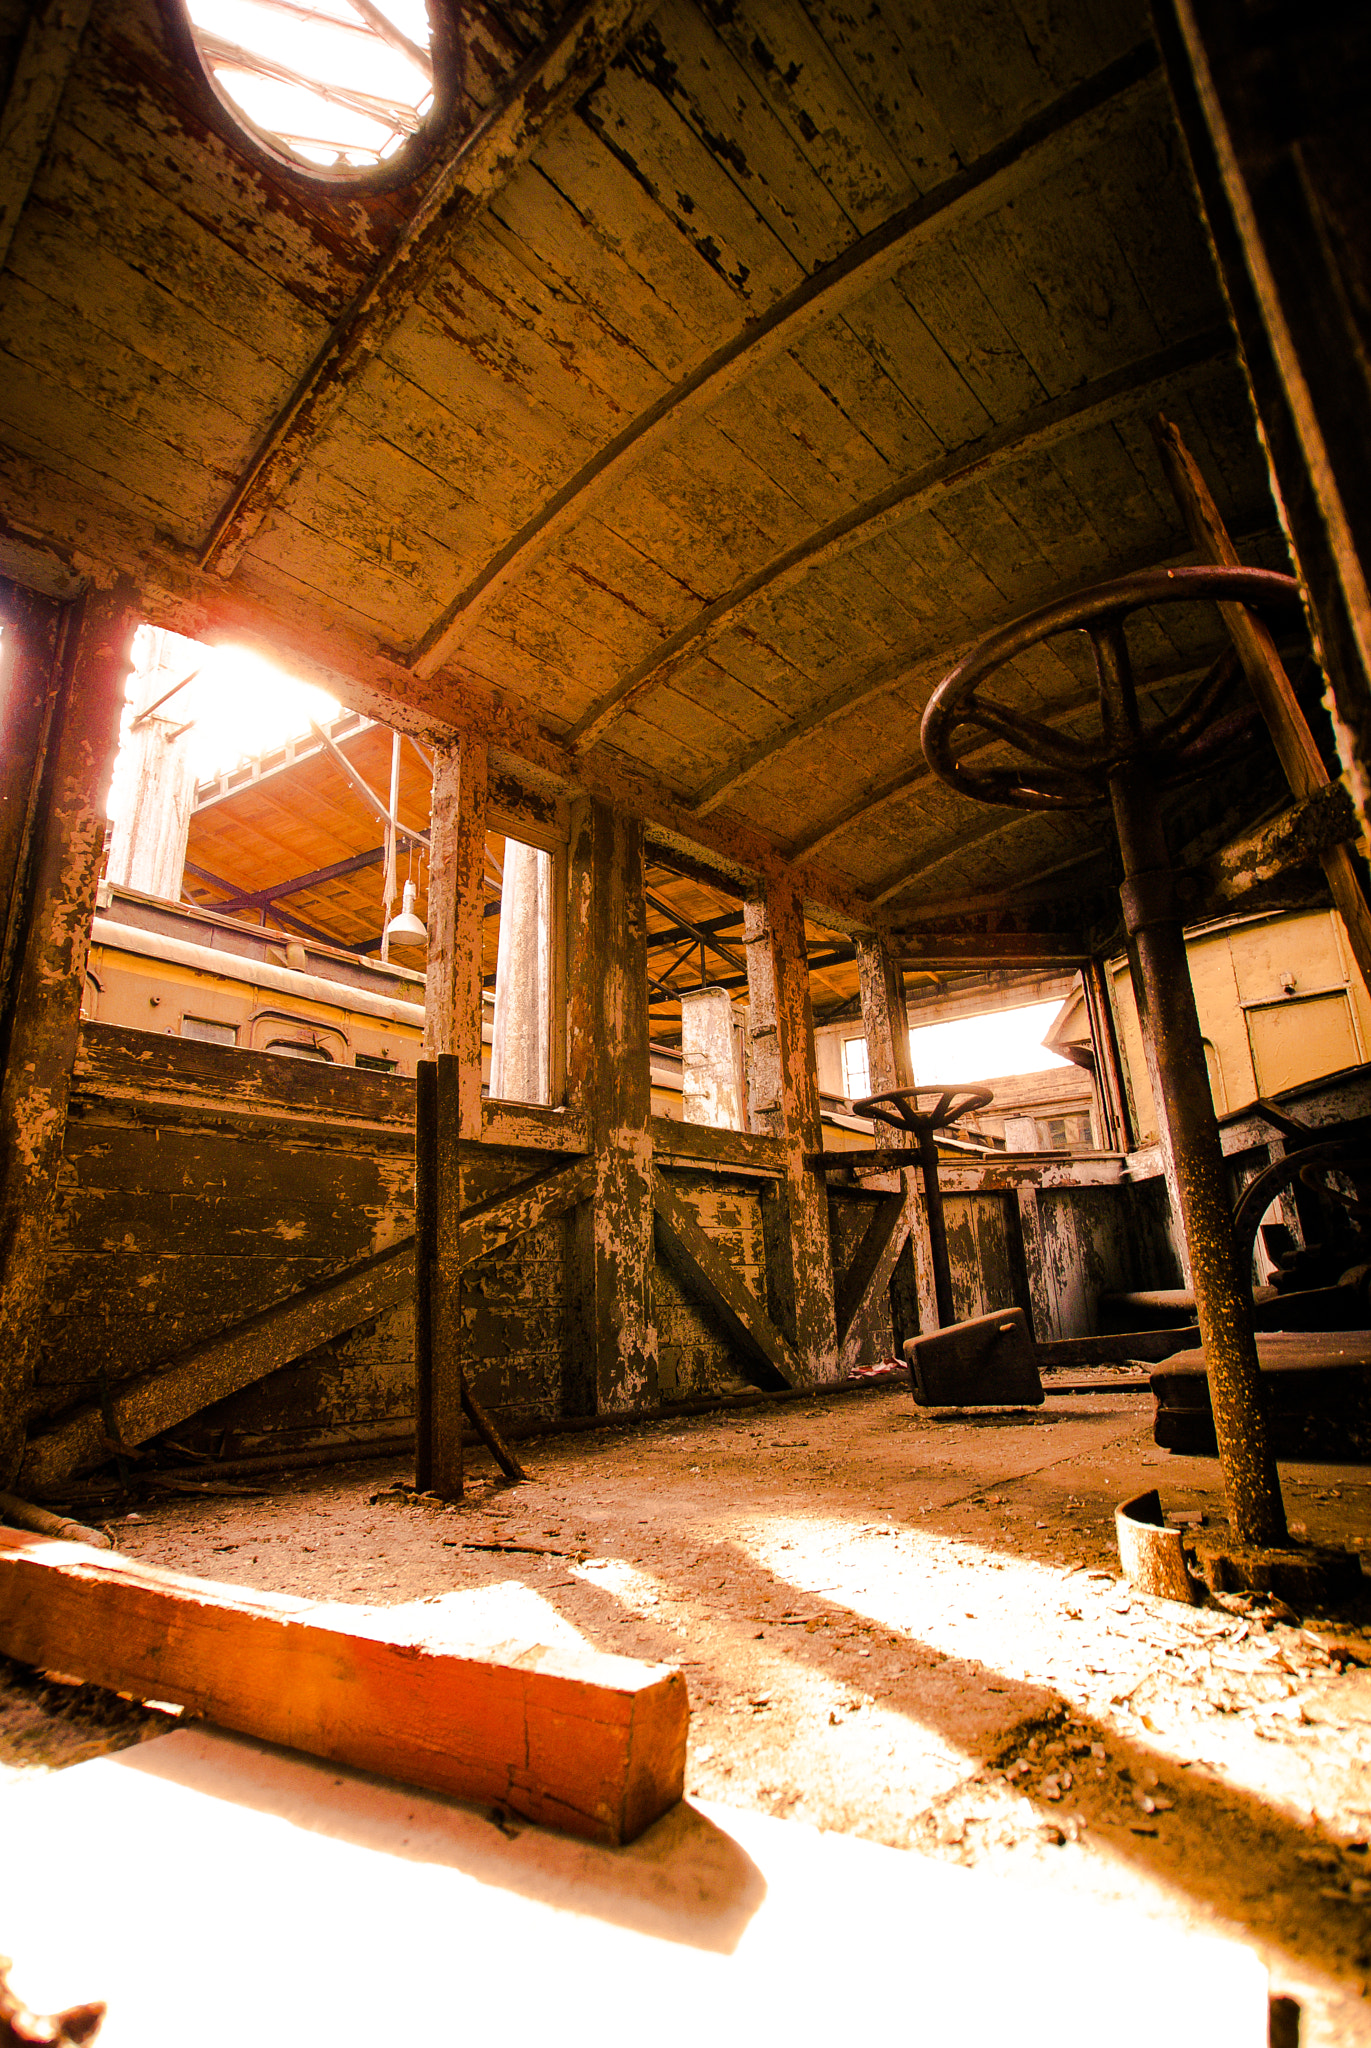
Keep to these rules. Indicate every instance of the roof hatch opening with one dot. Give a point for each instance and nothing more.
(337, 89)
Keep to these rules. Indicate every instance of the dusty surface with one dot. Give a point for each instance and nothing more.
(907, 1628)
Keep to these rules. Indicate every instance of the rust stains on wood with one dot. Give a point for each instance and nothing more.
(456, 194)
(1072, 124)
(48, 930)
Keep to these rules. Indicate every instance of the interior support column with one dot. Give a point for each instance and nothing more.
(613, 1325)
(448, 1104)
(52, 855)
(890, 1065)
(1111, 1084)
(783, 1096)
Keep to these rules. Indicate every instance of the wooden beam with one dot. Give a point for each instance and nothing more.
(991, 949)
(980, 834)
(1079, 120)
(226, 1363)
(783, 1098)
(1270, 685)
(456, 194)
(263, 899)
(868, 1259)
(58, 530)
(1035, 432)
(613, 1324)
(707, 1271)
(932, 654)
(503, 1218)
(373, 802)
(1278, 153)
(1294, 844)
(572, 1739)
(51, 41)
(46, 941)
(890, 1065)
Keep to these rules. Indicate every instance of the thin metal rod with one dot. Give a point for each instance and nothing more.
(937, 1228)
(1190, 1133)
(364, 788)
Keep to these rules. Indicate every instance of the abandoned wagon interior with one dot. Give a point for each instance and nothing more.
(685, 1019)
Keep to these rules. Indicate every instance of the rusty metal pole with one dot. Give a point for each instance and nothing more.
(937, 1226)
(1223, 1298)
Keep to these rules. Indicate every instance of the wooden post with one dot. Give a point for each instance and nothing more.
(450, 1101)
(890, 1064)
(613, 1338)
(783, 1094)
(1111, 1082)
(1270, 685)
(48, 933)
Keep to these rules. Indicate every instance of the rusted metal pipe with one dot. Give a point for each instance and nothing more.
(1223, 1298)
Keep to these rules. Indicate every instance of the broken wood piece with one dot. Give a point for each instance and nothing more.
(490, 1435)
(592, 1745)
(1153, 1555)
(239, 1356)
(22, 1514)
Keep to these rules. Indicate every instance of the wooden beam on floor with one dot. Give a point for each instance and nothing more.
(589, 1744)
(236, 1358)
(708, 1272)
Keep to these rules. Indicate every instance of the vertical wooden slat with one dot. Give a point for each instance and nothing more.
(452, 1040)
(783, 1091)
(613, 1334)
(1111, 1082)
(425, 1242)
(448, 1362)
(52, 905)
(885, 1023)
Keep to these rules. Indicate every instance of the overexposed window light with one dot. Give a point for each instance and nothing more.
(339, 85)
(985, 1048)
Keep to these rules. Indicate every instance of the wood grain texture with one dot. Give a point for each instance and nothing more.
(711, 1275)
(588, 1744)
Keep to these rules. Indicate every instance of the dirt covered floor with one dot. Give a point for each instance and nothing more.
(895, 1625)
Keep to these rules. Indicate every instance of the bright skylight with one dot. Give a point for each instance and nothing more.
(237, 705)
(339, 85)
(985, 1048)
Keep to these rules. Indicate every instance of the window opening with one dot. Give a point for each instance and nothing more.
(296, 1049)
(697, 998)
(856, 1069)
(338, 87)
(374, 1063)
(521, 1013)
(209, 1031)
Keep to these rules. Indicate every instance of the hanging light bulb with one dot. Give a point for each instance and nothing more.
(407, 929)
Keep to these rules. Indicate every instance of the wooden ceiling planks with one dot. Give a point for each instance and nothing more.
(803, 351)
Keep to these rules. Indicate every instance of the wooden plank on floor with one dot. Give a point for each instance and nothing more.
(590, 1744)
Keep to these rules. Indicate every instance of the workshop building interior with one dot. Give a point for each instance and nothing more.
(685, 1021)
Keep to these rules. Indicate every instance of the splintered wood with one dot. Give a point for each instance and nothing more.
(589, 1744)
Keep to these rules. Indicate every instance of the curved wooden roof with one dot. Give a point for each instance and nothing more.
(678, 430)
